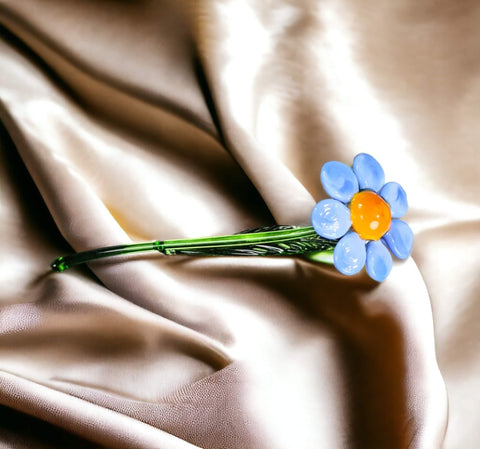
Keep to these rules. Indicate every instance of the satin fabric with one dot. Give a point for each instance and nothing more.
(130, 121)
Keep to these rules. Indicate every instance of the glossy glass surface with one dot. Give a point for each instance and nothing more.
(370, 215)
(399, 239)
(379, 261)
(331, 219)
(264, 241)
(349, 254)
(339, 181)
(395, 196)
(369, 172)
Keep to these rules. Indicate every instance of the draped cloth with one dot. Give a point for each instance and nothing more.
(132, 121)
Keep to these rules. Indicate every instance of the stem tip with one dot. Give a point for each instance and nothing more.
(59, 265)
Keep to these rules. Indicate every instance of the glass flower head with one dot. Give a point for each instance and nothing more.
(363, 212)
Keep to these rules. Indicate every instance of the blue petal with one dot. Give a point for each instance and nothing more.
(331, 219)
(379, 261)
(349, 254)
(399, 239)
(369, 172)
(339, 181)
(395, 196)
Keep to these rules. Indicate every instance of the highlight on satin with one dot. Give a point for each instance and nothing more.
(356, 226)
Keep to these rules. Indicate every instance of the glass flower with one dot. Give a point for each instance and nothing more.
(363, 212)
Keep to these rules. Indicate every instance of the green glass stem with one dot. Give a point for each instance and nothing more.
(265, 241)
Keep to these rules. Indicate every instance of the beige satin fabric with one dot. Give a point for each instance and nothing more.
(131, 121)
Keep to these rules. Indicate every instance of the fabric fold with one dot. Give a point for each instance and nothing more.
(138, 121)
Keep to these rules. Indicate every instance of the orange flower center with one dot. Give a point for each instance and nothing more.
(370, 215)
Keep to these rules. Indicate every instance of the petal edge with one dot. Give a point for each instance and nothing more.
(331, 219)
(379, 261)
(339, 181)
(399, 239)
(396, 197)
(369, 172)
(349, 255)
